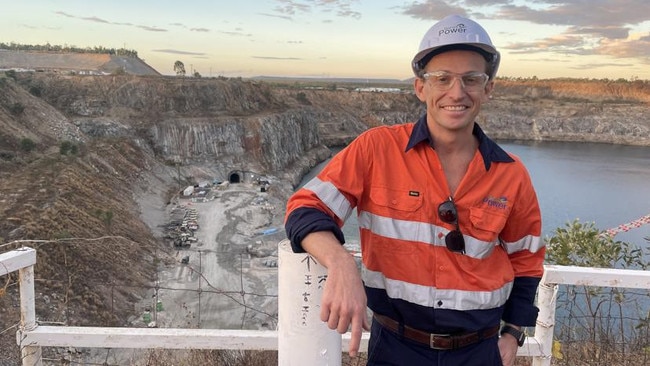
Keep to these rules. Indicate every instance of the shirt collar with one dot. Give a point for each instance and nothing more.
(490, 150)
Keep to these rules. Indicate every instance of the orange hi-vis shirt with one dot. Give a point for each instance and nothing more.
(393, 177)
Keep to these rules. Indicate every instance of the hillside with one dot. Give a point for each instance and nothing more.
(77, 63)
(89, 163)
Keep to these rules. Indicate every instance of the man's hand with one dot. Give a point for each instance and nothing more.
(343, 304)
(508, 349)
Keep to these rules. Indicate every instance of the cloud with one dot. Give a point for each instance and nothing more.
(600, 65)
(561, 44)
(179, 52)
(277, 58)
(236, 33)
(276, 16)
(433, 9)
(596, 13)
(342, 8)
(181, 25)
(633, 47)
(64, 14)
(151, 29)
(596, 27)
(95, 19)
(610, 32)
(104, 21)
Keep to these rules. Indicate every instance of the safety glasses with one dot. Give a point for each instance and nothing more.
(471, 82)
(454, 239)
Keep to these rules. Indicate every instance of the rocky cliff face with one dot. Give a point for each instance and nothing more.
(238, 124)
(523, 118)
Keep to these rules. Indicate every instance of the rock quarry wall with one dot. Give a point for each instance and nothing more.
(246, 124)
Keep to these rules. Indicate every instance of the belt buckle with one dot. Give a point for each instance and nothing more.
(432, 341)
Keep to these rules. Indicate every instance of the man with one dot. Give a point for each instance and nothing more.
(449, 222)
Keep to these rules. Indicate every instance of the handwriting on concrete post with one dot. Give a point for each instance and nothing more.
(311, 283)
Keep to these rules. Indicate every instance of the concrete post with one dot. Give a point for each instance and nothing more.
(31, 355)
(546, 298)
(303, 339)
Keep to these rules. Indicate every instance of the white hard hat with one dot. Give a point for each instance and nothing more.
(456, 32)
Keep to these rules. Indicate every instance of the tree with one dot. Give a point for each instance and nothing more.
(179, 68)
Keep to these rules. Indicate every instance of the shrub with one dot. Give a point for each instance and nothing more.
(607, 324)
(27, 145)
(11, 74)
(119, 71)
(302, 98)
(35, 90)
(68, 148)
(16, 109)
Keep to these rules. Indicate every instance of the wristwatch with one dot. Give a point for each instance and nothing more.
(519, 335)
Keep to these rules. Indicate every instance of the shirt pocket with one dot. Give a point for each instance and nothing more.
(487, 224)
(397, 214)
(401, 204)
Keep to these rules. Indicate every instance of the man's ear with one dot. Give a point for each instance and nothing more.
(489, 87)
(418, 85)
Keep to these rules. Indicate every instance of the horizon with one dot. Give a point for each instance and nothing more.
(349, 79)
(332, 39)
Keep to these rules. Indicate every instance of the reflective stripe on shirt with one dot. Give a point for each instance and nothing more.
(331, 196)
(437, 298)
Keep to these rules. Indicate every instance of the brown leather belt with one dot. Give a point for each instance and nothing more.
(437, 341)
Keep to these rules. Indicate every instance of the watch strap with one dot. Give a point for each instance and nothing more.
(519, 335)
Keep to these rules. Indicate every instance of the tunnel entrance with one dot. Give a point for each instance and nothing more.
(234, 178)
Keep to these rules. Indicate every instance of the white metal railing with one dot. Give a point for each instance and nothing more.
(299, 288)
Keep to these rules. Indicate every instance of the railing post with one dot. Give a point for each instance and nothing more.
(546, 300)
(303, 339)
(23, 261)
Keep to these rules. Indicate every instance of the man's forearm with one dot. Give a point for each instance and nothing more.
(325, 248)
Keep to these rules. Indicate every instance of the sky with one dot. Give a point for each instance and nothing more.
(341, 38)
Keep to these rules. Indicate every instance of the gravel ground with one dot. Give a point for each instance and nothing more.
(233, 263)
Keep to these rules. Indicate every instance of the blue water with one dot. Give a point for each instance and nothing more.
(601, 183)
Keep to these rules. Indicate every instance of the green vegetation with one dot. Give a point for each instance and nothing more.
(36, 90)
(63, 234)
(106, 217)
(119, 71)
(11, 74)
(179, 68)
(68, 148)
(582, 244)
(598, 325)
(68, 49)
(302, 98)
(27, 145)
(17, 108)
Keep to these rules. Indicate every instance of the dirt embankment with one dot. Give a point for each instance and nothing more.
(78, 63)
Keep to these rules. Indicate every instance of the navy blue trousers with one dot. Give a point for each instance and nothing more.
(386, 348)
